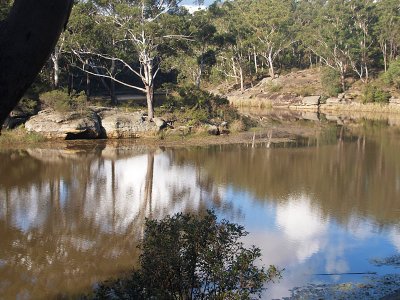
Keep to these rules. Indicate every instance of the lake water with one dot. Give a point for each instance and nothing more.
(71, 217)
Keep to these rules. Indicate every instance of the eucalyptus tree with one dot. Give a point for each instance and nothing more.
(388, 29)
(135, 32)
(363, 39)
(231, 26)
(95, 45)
(330, 36)
(271, 23)
(204, 46)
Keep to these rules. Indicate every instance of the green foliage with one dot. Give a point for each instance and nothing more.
(373, 94)
(62, 102)
(330, 80)
(190, 257)
(199, 106)
(392, 76)
(27, 106)
(5, 6)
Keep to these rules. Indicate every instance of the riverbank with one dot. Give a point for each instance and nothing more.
(270, 127)
(303, 90)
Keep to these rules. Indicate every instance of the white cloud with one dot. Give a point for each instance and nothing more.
(302, 224)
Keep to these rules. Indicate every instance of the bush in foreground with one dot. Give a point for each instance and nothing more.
(190, 257)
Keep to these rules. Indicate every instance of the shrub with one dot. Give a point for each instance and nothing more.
(200, 106)
(61, 101)
(373, 94)
(392, 76)
(237, 126)
(330, 80)
(190, 257)
(196, 116)
(27, 106)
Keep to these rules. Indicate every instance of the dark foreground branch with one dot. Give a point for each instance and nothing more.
(27, 37)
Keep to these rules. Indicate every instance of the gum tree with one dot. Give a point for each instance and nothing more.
(138, 30)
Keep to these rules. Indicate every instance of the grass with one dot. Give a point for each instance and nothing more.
(274, 87)
(19, 136)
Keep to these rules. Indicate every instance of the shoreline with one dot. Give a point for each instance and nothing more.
(285, 132)
(276, 125)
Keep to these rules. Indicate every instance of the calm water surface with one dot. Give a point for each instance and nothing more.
(71, 217)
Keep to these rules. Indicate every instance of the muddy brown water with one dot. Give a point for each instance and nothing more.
(71, 216)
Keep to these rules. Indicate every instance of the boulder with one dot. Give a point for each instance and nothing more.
(311, 100)
(160, 123)
(118, 124)
(65, 125)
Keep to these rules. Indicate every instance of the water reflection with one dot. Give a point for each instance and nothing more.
(72, 216)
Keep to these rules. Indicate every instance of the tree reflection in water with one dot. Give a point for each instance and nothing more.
(71, 217)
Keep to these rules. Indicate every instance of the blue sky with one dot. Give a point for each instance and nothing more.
(190, 2)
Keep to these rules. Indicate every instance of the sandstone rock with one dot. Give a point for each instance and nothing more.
(160, 123)
(332, 118)
(341, 96)
(311, 100)
(333, 100)
(118, 124)
(394, 101)
(311, 116)
(66, 125)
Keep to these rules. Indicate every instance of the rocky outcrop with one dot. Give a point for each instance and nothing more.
(66, 125)
(117, 124)
(213, 130)
(160, 123)
(311, 100)
(95, 123)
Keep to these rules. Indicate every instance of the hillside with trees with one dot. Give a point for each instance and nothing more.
(113, 47)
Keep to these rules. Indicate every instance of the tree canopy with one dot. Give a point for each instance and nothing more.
(140, 45)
